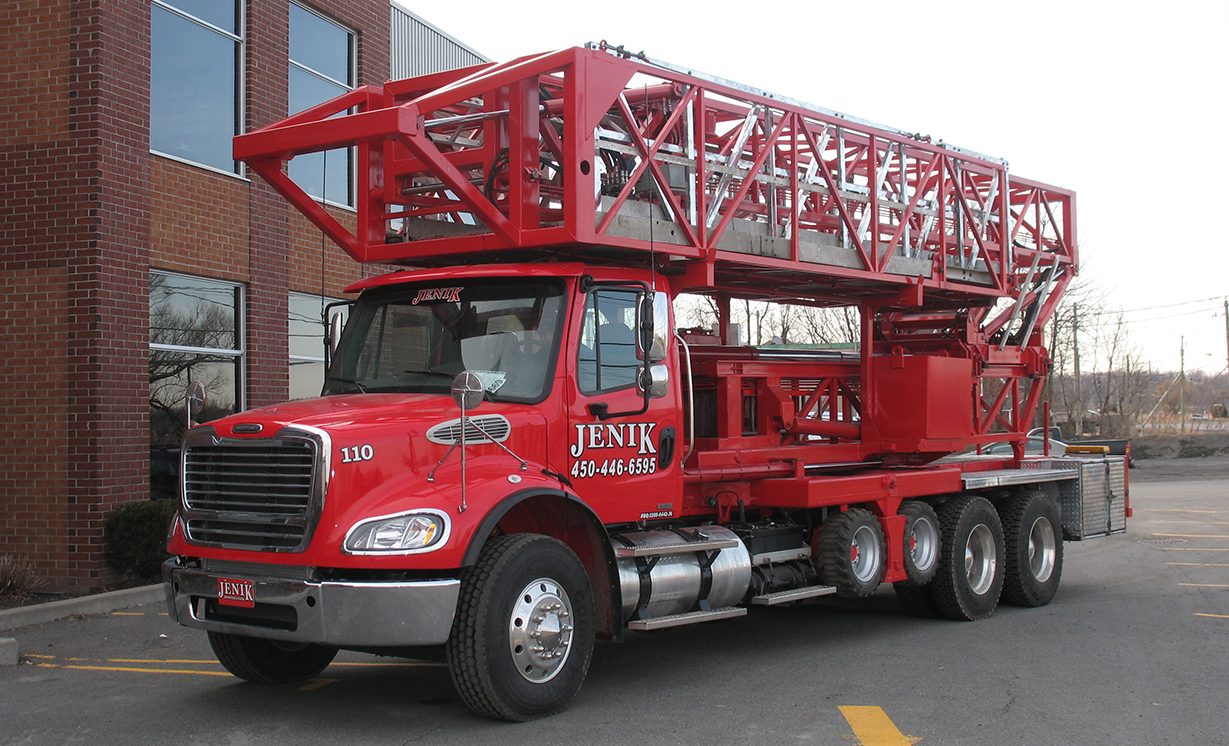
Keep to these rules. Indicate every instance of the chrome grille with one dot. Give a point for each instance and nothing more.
(275, 480)
(244, 494)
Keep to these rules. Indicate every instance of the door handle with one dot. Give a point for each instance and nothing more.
(665, 447)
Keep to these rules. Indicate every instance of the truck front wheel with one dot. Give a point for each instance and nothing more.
(269, 661)
(969, 578)
(522, 638)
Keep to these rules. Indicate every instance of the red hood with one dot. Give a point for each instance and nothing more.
(338, 414)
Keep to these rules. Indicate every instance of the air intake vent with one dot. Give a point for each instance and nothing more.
(483, 428)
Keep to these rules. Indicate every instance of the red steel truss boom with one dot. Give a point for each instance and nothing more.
(589, 153)
(595, 154)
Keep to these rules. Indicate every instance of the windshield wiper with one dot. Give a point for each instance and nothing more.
(432, 372)
(361, 388)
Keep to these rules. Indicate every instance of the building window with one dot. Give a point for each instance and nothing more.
(196, 53)
(195, 334)
(308, 331)
(321, 68)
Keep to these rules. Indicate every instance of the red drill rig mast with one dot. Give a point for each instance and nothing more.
(596, 154)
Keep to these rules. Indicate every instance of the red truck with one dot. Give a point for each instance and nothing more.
(516, 454)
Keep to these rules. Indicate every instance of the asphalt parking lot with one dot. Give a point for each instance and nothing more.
(1134, 649)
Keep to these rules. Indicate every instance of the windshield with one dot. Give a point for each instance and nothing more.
(416, 338)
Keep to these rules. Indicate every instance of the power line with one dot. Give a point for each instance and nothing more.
(1211, 314)
(1118, 311)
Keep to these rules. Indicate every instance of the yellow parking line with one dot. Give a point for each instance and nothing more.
(315, 684)
(1199, 564)
(162, 660)
(1180, 510)
(1195, 549)
(1214, 616)
(1204, 585)
(873, 727)
(205, 662)
(1196, 536)
(1200, 521)
(130, 669)
(128, 613)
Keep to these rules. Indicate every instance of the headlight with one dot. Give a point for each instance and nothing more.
(417, 531)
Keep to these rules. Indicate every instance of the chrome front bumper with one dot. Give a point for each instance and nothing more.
(386, 614)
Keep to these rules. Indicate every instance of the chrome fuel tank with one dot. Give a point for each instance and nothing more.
(675, 578)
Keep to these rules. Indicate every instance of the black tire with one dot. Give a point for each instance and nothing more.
(494, 673)
(850, 553)
(968, 523)
(269, 661)
(921, 550)
(1033, 530)
(916, 600)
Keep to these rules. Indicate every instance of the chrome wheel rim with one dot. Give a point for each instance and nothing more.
(864, 554)
(1042, 549)
(923, 544)
(540, 630)
(980, 559)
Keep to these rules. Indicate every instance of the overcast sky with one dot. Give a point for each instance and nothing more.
(1126, 103)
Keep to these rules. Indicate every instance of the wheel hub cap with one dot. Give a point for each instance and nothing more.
(1042, 549)
(924, 545)
(864, 554)
(980, 559)
(540, 630)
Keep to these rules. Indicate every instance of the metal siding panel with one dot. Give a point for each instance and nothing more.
(417, 48)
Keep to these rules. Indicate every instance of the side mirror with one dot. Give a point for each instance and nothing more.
(336, 324)
(194, 401)
(653, 327)
(655, 381)
(467, 390)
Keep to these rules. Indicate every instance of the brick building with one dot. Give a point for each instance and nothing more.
(138, 256)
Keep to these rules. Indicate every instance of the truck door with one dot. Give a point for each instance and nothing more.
(623, 452)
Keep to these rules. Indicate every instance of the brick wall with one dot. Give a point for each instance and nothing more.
(47, 235)
(85, 212)
(199, 221)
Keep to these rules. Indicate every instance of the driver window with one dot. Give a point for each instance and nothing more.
(608, 360)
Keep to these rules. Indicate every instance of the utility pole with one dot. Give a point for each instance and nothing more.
(1227, 347)
(1182, 384)
(1075, 356)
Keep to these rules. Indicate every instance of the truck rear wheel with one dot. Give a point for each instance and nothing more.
(269, 661)
(522, 638)
(1032, 526)
(850, 553)
(921, 550)
(969, 577)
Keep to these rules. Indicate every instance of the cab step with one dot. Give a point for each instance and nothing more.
(793, 594)
(691, 617)
(705, 545)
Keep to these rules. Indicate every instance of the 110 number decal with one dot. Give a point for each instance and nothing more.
(351, 454)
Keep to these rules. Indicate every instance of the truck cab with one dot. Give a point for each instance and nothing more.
(348, 520)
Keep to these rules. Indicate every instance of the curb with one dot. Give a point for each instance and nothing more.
(100, 603)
